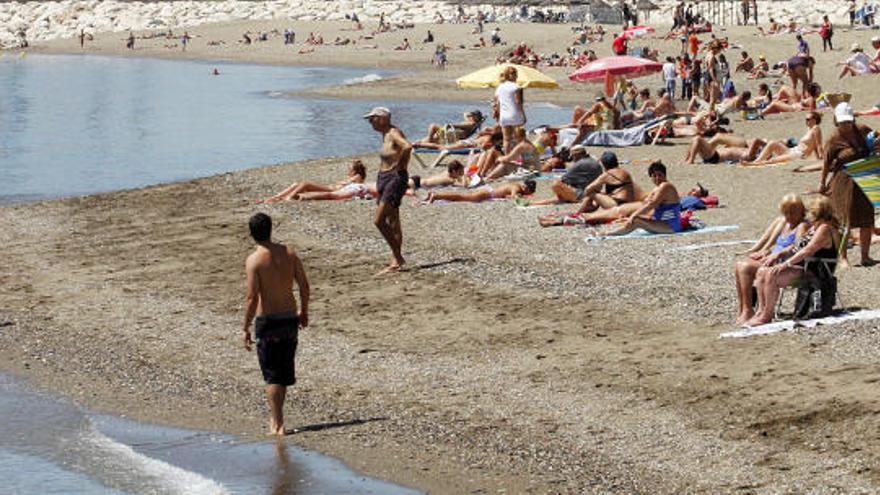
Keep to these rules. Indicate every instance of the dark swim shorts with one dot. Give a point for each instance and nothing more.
(391, 186)
(713, 158)
(276, 336)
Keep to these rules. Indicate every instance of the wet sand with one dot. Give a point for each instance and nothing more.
(515, 358)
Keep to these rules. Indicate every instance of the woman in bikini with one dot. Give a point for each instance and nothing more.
(660, 212)
(611, 189)
(779, 151)
(352, 186)
(524, 154)
(778, 243)
(512, 190)
(820, 241)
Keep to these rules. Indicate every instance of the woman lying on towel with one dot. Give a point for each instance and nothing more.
(352, 187)
(778, 151)
(820, 241)
(512, 190)
(660, 212)
(454, 176)
(776, 245)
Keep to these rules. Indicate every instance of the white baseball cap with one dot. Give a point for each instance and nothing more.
(378, 112)
(875, 39)
(843, 112)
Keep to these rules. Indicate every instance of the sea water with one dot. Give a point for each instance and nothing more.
(72, 124)
(50, 445)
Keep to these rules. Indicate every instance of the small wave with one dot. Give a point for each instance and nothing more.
(121, 458)
(274, 94)
(363, 79)
(543, 104)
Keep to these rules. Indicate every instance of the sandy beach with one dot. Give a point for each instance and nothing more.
(510, 358)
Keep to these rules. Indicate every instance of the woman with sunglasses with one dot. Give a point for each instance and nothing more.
(778, 151)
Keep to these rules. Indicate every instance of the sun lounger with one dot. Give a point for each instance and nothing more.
(441, 155)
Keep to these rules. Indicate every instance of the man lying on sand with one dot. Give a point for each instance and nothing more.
(725, 147)
(512, 190)
(272, 270)
(352, 186)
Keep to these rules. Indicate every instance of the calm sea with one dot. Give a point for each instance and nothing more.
(72, 125)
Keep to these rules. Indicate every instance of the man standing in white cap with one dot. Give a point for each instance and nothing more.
(391, 184)
(848, 143)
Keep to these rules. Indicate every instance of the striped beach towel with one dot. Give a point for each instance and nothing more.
(866, 173)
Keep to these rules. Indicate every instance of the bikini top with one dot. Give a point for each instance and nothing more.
(610, 188)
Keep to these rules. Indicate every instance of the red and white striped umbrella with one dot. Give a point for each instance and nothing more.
(637, 31)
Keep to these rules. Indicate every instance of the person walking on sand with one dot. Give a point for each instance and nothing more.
(271, 271)
(391, 184)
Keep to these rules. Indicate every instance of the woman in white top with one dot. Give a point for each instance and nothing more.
(508, 106)
(857, 64)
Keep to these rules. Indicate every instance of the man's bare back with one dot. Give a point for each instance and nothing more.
(273, 267)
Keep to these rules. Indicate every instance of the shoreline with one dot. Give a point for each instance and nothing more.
(539, 364)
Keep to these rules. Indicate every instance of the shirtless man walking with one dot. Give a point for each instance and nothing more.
(271, 271)
(391, 184)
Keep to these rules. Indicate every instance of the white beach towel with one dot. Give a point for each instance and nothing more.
(644, 234)
(707, 245)
(791, 325)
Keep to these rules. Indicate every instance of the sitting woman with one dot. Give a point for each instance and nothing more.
(611, 189)
(440, 135)
(660, 212)
(763, 98)
(777, 244)
(762, 69)
(807, 103)
(511, 190)
(820, 241)
(780, 152)
(523, 154)
(454, 176)
(352, 186)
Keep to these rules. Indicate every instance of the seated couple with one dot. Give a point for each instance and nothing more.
(511, 190)
(794, 240)
(353, 186)
(613, 197)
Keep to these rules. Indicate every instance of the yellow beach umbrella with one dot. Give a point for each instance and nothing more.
(489, 77)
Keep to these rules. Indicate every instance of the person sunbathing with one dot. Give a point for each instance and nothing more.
(808, 103)
(454, 176)
(875, 110)
(723, 147)
(776, 244)
(820, 241)
(660, 212)
(746, 64)
(440, 135)
(857, 64)
(523, 154)
(602, 115)
(777, 151)
(703, 123)
(611, 189)
(763, 98)
(762, 69)
(582, 171)
(511, 190)
(353, 185)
